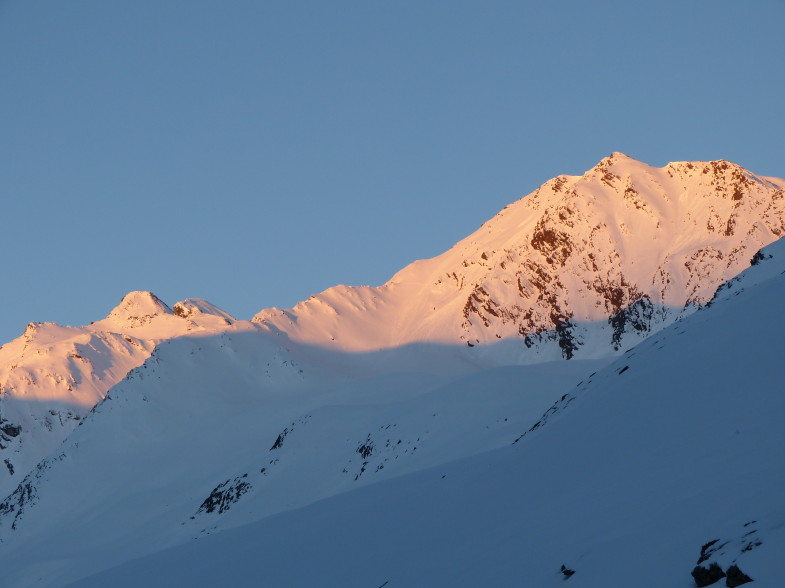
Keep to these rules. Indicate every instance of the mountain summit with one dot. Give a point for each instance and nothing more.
(138, 308)
(580, 264)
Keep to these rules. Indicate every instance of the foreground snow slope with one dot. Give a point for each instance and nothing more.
(625, 240)
(630, 475)
(197, 441)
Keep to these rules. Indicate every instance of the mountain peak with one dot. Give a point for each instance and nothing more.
(138, 308)
(193, 307)
(621, 163)
(617, 156)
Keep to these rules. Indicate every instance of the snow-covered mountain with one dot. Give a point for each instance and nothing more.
(658, 470)
(664, 461)
(52, 376)
(154, 426)
(579, 265)
(584, 266)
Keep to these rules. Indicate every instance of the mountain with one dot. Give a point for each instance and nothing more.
(52, 376)
(579, 265)
(663, 463)
(582, 267)
(629, 476)
(138, 433)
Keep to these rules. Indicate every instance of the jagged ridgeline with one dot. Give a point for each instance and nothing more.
(582, 265)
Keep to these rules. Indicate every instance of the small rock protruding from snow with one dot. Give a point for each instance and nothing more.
(225, 495)
(566, 571)
(735, 577)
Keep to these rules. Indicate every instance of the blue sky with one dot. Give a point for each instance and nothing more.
(253, 153)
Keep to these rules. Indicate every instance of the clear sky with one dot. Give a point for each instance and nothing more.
(255, 152)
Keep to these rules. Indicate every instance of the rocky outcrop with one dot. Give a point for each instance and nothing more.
(706, 576)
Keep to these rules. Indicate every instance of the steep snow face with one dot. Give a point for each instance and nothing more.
(668, 460)
(573, 268)
(52, 375)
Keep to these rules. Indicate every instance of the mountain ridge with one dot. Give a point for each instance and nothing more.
(453, 356)
(584, 266)
(564, 254)
(485, 473)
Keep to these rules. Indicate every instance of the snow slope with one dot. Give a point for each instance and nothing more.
(671, 455)
(195, 441)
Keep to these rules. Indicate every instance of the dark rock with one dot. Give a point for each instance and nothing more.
(24, 495)
(11, 430)
(735, 577)
(279, 440)
(224, 495)
(758, 257)
(752, 545)
(707, 576)
(637, 317)
(366, 449)
(565, 335)
(706, 551)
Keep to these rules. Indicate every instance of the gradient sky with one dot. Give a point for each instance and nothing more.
(255, 152)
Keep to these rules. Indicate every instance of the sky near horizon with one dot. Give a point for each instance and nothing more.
(254, 153)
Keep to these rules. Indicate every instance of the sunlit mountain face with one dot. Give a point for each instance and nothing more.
(589, 383)
(628, 242)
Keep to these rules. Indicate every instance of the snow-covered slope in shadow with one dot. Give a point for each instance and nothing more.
(197, 440)
(668, 460)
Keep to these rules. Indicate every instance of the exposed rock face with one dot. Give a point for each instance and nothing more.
(707, 576)
(196, 308)
(224, 495)
(581, 265)
(735, 577)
